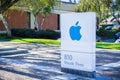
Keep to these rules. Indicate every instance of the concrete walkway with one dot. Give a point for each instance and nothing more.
(43, 63)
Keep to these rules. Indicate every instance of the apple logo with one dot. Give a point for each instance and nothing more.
(75, 32)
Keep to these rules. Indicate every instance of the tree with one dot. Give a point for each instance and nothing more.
(103, 8)
(38, 6)
(116, 7)
(5, 5)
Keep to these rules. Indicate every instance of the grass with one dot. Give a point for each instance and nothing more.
(103, 45)
(33, 40)
(108, 45)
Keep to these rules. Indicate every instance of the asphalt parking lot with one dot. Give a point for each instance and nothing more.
(42, 62)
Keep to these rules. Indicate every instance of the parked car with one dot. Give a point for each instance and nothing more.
(116, 27)
(117, 35)
(117, 41)
(112, 27)
(98, 39)
(109, 28)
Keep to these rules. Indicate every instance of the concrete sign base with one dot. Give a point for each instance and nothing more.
(79, 72)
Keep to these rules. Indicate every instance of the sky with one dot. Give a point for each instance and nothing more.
(72, 0)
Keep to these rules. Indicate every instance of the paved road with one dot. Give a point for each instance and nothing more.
(43, 63)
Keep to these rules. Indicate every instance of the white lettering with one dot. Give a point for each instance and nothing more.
(68, 63)
(78, 64)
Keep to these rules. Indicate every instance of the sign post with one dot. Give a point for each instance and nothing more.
(78, 43)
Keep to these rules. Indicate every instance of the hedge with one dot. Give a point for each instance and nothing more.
(30, 33)
(107, 33)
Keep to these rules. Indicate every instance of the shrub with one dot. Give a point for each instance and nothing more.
(112, 33)
(30, 33)
(102, 32)
(50, 34)
(3, 34)
(107, 33)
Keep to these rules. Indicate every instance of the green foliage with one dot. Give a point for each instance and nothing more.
(102, 32)
(5, 4)
(112, 32)
(29, 33)
(50, 34)
(103, 8)
(3, 34)
(107, 33)
(43, 7)
(117, 5)
(38, 6)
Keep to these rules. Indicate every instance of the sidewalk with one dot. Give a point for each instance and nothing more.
(43, 63)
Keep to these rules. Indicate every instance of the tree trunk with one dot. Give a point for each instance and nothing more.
(41, 25)
(6, 26)
(36, 23)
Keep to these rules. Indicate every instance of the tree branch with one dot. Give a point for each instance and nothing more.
(6, 4)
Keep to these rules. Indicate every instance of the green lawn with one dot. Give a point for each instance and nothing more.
(104, 45)
(108, 45)
(33, 40)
